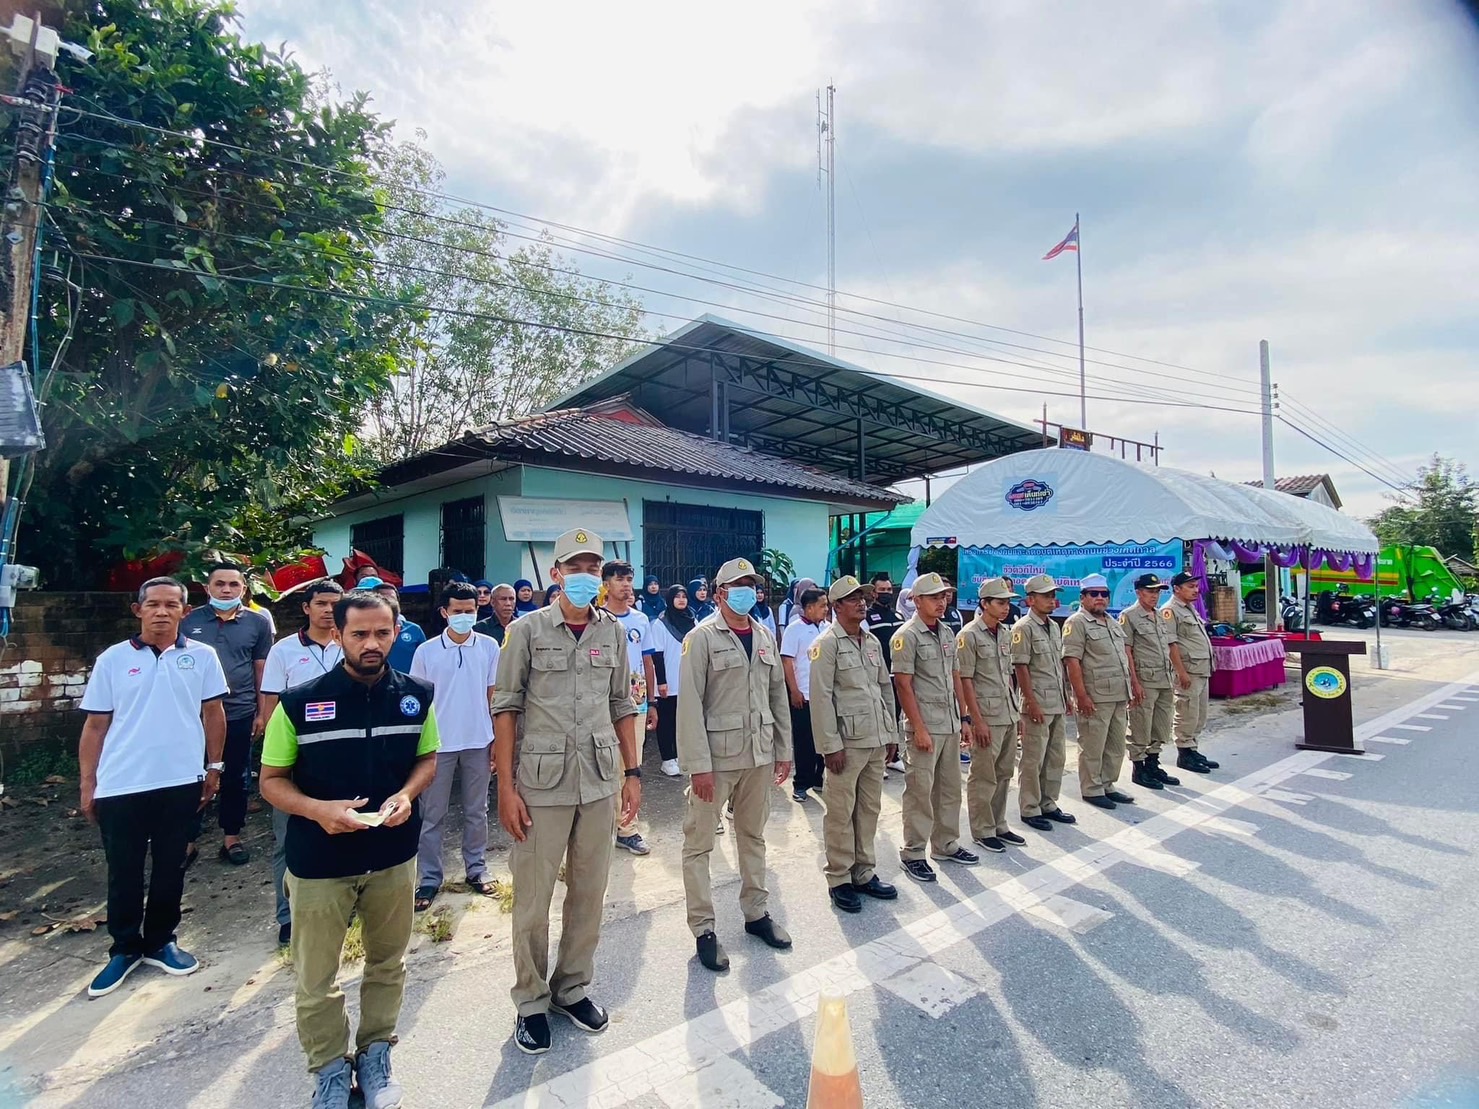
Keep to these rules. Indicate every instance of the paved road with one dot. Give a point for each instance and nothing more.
(1298, 929)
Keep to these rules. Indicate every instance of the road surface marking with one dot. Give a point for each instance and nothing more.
(1288, 797)
(1412, 727)
(931, 989)
(723, 1084)
(1430, 716)
(1369, 756)
(664, 1058)
(1332, 775)
(1072, 915)
(1452, 708)
(1388, 739)
(1228, 827)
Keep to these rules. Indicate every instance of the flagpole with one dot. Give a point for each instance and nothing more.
(1083, 399)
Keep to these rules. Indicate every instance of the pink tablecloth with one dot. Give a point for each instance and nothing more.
(1243, 668)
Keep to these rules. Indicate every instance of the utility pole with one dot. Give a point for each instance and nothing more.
(1083, 381)
(33, 103)
(827, 164)
(1271, 592)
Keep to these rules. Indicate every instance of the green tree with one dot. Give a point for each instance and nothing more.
(1440, 508)
(230, 331)
(522, 325)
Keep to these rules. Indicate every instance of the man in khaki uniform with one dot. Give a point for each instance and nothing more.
(562, 708)
(734, 738)
(984, 647)
(1148, 639)
(1037, 654)
(1099, 671)
(852, 722)
(1191, 657)
(927, 679)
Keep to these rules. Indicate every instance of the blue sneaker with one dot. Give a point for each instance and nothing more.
(332, 1085)
(965, 758)
(376, 1086)
(111, 976)
(634, 843)
(172, 960)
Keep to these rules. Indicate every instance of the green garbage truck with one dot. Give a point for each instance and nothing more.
(1408, 572)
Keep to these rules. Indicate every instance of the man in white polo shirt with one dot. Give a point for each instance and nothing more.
(796, 642)
(293, 661)
(155, 719)
(461, 665)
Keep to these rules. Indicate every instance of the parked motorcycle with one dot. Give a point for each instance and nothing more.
(1342, 608)
(1292, 613)
(1397, 613)
(1454, 614)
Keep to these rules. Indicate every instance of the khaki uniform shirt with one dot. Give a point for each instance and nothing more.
(1038, 644)
(930, 658)
(734, 713)
(569, 693)
(852, 696)
(1149, 638)
(1099, 645)
(986, 662)
(1191, 635)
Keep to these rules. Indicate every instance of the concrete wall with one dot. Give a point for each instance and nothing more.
(800, 528)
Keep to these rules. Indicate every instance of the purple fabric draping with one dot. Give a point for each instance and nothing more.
(1244, 553)
(1199, 568)
(1215, 549)
(1339, 561)
(1285, 559)
(1366, 567)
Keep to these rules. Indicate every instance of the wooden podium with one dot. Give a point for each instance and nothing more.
(1325, 687)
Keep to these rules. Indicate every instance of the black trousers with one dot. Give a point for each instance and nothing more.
(667, 728)
(134, 826)
(809, 766)
(236, 780)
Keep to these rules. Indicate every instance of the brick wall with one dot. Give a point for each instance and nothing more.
(55, 637)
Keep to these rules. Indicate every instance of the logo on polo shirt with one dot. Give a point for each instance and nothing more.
(134, 671)
(406, 637)
(410, 706)
(318, 711)
(185, 662)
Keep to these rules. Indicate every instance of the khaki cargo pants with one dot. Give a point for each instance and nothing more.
(931, 797)
(580, 837)
(1040, 777)
(853, 797)
(1101, 747)
(991, 779)
(1151, 722)
(1191, 711)
(750, 790)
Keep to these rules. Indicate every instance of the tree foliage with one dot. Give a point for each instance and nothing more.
(517, 325)
(1440, 509)
(230, 332)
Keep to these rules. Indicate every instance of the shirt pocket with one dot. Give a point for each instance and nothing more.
(549, 659)
(726, 659)
(606, 752)
(726, 733)
(542, 762)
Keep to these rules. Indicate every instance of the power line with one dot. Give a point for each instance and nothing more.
(1313, 438)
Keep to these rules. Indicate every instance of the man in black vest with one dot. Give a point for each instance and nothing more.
(345, 757)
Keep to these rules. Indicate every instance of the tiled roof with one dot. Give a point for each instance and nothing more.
(628, 437)
(1296, 485)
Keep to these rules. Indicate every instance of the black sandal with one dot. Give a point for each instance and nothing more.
(425, 896)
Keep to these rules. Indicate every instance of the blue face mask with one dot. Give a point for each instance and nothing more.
(462, 622)
(225, 606)
(741, 598)
(580, 588)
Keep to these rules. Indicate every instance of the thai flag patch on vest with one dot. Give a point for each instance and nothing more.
(318, 711)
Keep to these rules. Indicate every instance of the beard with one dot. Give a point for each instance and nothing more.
(366, 665)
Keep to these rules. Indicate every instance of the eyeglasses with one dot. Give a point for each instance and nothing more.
(1094, 593)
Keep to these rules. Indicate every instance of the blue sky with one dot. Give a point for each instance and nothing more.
(1297, 171)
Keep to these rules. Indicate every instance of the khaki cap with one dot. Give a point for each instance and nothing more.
(1042, 583)
(995, 589)
(844, 587)
(735, 569)
(926, 584)
(578, 541)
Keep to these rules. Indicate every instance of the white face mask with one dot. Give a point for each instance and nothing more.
(462, 622)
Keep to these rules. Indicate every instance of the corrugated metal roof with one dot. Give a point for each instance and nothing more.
(633, 439)
(1300, 485)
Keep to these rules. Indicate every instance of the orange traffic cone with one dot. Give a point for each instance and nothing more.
(834, 1067)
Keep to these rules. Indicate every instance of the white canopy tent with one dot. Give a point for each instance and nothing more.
(1072, 498)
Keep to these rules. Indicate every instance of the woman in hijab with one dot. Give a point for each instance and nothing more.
(761, 613)
(791, 610)
(485, 598)
(667, 634)
(651, 600)
(698, 600)
(550, 594)
(524, 591)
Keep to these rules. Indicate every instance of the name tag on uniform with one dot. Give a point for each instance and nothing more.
(319, 711)
(595, 652)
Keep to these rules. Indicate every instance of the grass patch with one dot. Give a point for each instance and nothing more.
(501, 893)
(354, 942)
(44, 762)
(1257, 702)
(437, 925)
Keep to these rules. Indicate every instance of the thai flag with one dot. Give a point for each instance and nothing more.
(1070, 242)
(318, 711)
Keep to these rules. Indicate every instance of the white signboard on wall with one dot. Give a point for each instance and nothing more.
(544, 519)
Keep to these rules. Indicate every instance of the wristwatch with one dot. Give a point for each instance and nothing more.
(965, 718)
(634, 772)
(218, 767)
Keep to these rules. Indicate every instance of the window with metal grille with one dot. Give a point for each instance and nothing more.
(685, 541)
(464, 536)
(384, 540)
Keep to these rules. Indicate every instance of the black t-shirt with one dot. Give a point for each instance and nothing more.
(747, 639)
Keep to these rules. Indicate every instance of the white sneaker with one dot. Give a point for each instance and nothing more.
(670, 768)
(897, 764)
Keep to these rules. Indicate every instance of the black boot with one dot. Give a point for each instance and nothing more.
(1188, 759)
(1159, 772)
(711, 952)
(1144, 775)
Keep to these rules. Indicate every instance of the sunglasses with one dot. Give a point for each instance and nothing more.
(1095, 592)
